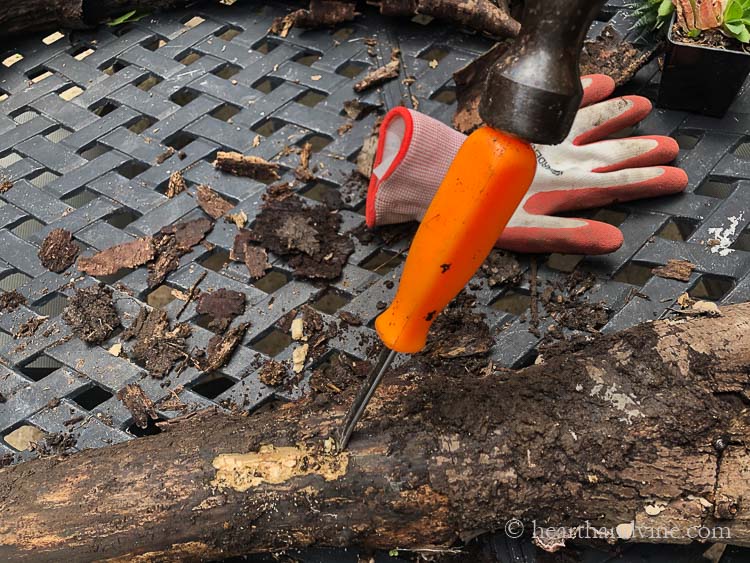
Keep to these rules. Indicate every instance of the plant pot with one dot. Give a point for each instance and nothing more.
(701, 79)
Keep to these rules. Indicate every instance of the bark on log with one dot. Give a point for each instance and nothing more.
(47, 15)
(652, 417)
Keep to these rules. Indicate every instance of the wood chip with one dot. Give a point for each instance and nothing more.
(302, 172)
(256, 141)
(248, 166)
(708, 308)
(138, 403)
(5, 185)
(212, 203)
(112, 260)
(239, 218)
(320, 13)
(115, 349)
(221, 347)
(298, 329)
(675, 270)
(381, 75)
(176, 184)
(299, 355)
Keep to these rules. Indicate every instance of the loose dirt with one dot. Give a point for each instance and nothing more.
(91, 314)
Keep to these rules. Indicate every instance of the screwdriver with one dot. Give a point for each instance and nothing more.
(482, 188)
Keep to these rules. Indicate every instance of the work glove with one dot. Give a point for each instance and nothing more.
(584, 171)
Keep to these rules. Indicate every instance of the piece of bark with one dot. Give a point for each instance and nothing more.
(321, 13)
(157, 345)
(5, 185)
(222, 306)
(212, 203)
(160, 159)
(138, 403)
(675, 270)
(173, 242)
(11, 300)
(112, 260)
(381, 75)
(222, 346)
(91, 314)
(256, 260)
(176, 184)
(249, 166)
(611, 54)
(368, 152)
(58, 251)
(653, 414)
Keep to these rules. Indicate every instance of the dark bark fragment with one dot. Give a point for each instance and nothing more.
(222, 346)
(176, 184)
(675, 270)
(157, 346)
(321, 13)
(222, 305)
(382, 74)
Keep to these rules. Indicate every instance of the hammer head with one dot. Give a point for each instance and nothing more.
(534, 90)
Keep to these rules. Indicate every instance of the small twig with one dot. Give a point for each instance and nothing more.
(534, 305)
(190, 294)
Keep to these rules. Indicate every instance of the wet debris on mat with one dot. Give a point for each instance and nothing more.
(157, 346)
(91, 314)
(212, 203)
(120, 257)
(501, 268)
(138, 403)
(221, 347)
(675, 270)
(222, 306)
(10, 300)
(320, 13)
(565, 302)
(58, 251)
(307, 236)
(248, 166)
(381, 75)
(29, 327)
(273, 373)
(176, 184)
(458, 332)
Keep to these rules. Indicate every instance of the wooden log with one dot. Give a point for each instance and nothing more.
(645, 428)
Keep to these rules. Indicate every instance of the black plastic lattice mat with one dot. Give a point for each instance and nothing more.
(85, 118)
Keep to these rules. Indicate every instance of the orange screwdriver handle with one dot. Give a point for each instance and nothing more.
(485, 183)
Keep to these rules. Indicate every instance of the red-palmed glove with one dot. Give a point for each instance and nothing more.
(584, 171)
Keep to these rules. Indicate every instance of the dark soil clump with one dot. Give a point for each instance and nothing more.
(10, 300)
(91, 314)
(306, 236)
(58, 251)
(273, 373)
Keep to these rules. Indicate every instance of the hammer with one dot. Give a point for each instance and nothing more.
(531, 94)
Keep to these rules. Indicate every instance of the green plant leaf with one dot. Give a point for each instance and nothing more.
(130, 16)
(665, 8)
(694, 33)
(393, 553)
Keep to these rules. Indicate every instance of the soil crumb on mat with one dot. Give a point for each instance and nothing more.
(10, 300)
(157, 346)
(308, 237)
(273, 373)
(91, 314)
(58, 251)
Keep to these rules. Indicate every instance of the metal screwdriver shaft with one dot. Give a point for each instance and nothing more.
(365, 394)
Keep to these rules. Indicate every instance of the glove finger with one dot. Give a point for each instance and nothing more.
(594, 123)
(596, 88)
(542, 234)
(619, 154)
(597, 190)
(413, 156)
